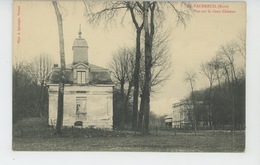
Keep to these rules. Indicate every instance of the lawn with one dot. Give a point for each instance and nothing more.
(39, 138)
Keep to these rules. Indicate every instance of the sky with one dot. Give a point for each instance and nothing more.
(188, 47)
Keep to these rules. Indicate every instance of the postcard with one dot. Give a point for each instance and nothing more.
(129, 76)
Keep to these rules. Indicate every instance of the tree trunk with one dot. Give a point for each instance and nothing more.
(141, 113)
(136, 78)
(137, 66)
(231, 96)
(149, 31)
(42, 100)
(127, 99)
(62, 71)
(210, 106)
(122, 122)
(194, 108)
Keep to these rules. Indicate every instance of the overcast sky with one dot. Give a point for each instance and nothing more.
(189, 47)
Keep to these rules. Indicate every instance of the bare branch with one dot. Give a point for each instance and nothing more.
(109, 11)
(182, 15)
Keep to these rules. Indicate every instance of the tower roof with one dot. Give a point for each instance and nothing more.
(80, 42)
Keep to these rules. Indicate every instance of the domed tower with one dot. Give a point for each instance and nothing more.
(80, 50)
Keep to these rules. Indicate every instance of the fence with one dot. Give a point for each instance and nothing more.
(199, 128)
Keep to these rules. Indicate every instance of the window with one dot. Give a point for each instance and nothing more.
(81, 77)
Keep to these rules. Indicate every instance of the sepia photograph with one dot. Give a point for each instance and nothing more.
(129, 76)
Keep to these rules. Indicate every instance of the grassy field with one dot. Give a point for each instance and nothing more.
(39, 138)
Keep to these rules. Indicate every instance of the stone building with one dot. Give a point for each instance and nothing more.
(88, 93)
(180, 114)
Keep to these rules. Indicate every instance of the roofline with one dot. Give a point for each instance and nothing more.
(99, 69)
(80, 63)
(99, 85)
(80, 47)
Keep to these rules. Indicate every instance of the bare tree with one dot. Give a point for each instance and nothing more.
(161, 67)
(139, 26)
(24, 91)
(62, 70)
(108, 13)
(240, 44)
(42, 66)
(209, 71)
(149, 32)
(190, 78)
(161, 59)
(155, 14)
(226, 55)
(152, 16)
(122, 67)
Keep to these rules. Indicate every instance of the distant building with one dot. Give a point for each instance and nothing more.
(180, 114)
(88, 95)
(168, 121)
(183, 114)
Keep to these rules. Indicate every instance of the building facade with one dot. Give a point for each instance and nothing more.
(180, 115)
(88, 92)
